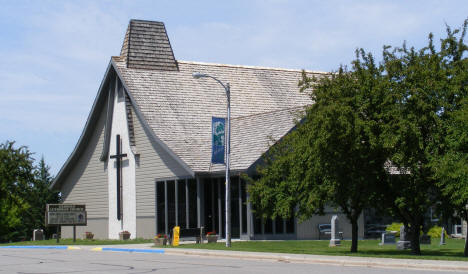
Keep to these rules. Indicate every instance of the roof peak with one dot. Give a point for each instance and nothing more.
(146, 46)
(248, 67)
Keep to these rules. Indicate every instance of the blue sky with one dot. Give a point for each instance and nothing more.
(54, 53)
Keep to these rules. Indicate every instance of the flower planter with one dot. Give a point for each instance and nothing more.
(212, 238)
(125, 235)
(160, 241)
(89, 235)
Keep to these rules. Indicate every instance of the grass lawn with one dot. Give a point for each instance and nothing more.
(81, 242)
(453, 250)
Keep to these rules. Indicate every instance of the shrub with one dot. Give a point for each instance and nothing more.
(394, 227)
(435, 232)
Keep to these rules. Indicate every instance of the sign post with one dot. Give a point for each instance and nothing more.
(66, 214)
(74, 233)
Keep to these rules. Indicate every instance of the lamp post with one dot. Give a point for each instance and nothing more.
(227, 88)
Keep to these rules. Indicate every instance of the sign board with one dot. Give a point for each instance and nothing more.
(66, 214)
(175, 240)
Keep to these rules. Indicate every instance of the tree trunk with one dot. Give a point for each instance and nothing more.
(354, 235)
(414, 231)
(465, 253)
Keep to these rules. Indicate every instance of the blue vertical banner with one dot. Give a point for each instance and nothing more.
(218, 140)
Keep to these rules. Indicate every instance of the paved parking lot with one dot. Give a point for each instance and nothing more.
(87, 261)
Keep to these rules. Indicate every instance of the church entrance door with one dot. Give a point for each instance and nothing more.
(214, 213)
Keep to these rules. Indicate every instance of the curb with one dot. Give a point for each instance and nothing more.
(62, 247)
(41, 247)
(136, 250)
(328, 260)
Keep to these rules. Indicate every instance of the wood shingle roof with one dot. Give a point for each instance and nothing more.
(178, 108)
(146, 46)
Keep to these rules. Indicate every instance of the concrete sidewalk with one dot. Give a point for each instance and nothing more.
(329, 260)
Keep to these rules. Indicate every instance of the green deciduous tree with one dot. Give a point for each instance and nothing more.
(336, 155)
(404, 114)
(450, 163)
(24, 192)
(426, 86)
(451, 168)
(16, 173)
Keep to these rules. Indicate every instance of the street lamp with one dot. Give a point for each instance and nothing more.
(198, 75)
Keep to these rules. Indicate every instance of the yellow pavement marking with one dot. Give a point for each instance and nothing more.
(97, 249)
(73, 247)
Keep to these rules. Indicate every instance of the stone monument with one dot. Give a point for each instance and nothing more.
(388, 238)
(333, 240)
(442, 237)
(403, 243)
(38, 235)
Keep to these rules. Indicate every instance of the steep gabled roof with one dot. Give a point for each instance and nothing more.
(254, 134)
(178, 108)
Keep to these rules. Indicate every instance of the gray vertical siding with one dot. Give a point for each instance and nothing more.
(145, 227)
(87, 181)
(99, 227)
(154, 163)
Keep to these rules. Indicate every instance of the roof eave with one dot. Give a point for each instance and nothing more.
(252, 169)
(220, 173)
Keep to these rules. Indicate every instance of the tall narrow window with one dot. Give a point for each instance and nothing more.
(235, 214)
(181, 202)
(279, 225)
(290, 225)
(171, 205)
(192, 186)
(160, 207)
(209, 218)
(257, 225)
(244, 207)
(268, 226)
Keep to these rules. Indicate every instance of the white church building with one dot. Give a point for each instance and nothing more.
(143, 161)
